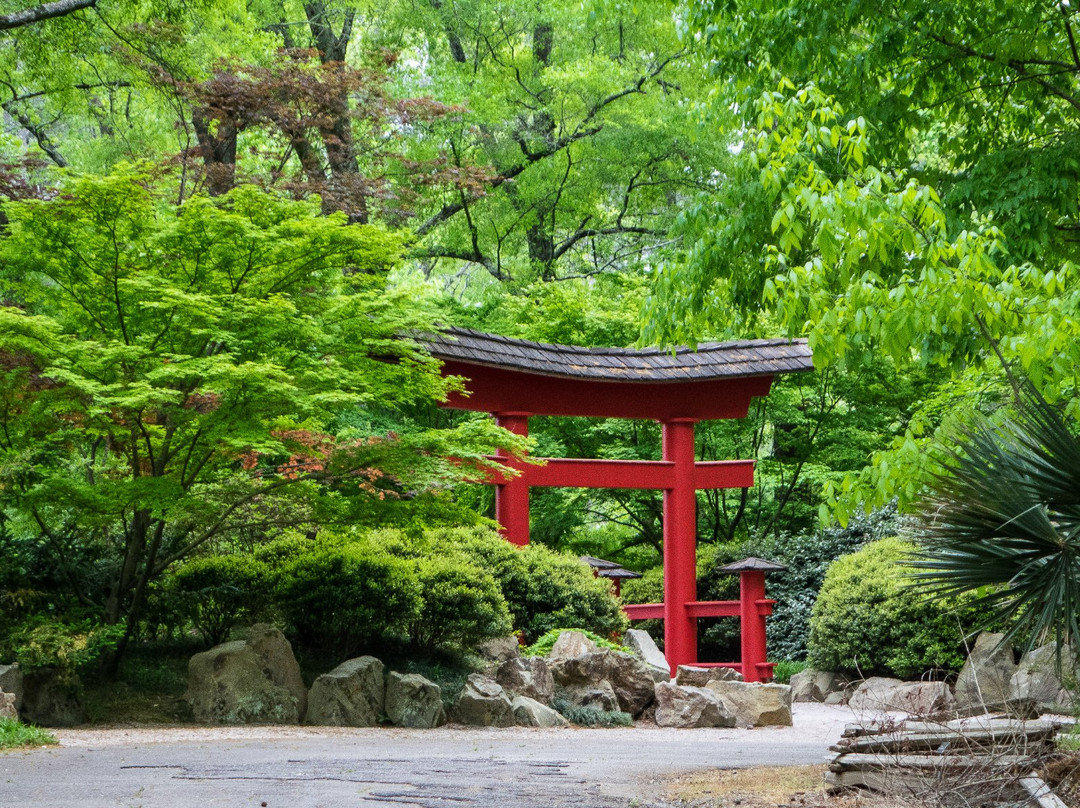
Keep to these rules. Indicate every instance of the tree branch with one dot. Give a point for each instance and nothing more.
(45, 11)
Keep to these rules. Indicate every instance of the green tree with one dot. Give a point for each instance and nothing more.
(174, 373)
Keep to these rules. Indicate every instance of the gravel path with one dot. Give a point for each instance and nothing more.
(299, 767)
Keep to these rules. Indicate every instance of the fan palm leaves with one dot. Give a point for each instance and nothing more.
(1003, 520)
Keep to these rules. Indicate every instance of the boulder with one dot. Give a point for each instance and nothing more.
(483, 703)
(527, 676)
(413, 701)
(598, 696)
(813, 685)
(500, 649)
(50, 699)
(1038, 677)
(351, 695)
(984, 681)
(571, 644)
(11, 681)
(7, 706)
(531, 713)
(642, 644)
(754, 704)
(278, 663)
(694, 676)
(626, 676)
(689, 707)
(230, 685)
(914, 698)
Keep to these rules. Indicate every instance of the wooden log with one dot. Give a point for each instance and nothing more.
(953, 740)
(855, 760)
(1041, 795)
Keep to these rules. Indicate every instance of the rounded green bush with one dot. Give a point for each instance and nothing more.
(543, 588)
(461, 605)
(343, 598)
(217, 592)
(869, 620)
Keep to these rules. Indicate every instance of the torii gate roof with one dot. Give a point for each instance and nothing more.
(717, 380)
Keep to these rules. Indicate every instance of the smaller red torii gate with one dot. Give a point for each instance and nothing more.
(516, 379)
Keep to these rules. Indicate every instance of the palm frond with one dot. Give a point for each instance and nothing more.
(1003, 519)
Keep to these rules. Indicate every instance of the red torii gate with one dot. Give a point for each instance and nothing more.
(515, 379)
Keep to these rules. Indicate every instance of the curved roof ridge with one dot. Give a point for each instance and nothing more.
(712, 360)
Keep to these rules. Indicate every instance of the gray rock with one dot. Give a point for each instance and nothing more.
(229, 685)
(626, 676)
(813, 685)
(500, 649)
(351, 695)
(278, 662)
(7, 706)
(839, 696)
(11, 681)
(874, 693)
(1039, 678)
(914, 698)
(571, 644)
(689, 707)
(483, 703)
(527, 676)
(984, 681)
(642, 644)
(694, 676)
(598, 696)
(531, 713)
(755, 704)
(50, 699)
(413, 701)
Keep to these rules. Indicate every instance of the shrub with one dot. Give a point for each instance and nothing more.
(66, 647)
(869, 620)
(345, 597)
(785, 669)
(592, 716)
(807, 557)
(544, 589)
(461, 605)
(217, 592)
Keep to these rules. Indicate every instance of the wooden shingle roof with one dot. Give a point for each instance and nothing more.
(713, 360)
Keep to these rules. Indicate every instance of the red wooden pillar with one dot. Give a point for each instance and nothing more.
(680, 545)
(752, 629)
(512, 496)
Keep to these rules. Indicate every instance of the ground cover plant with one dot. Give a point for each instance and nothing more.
(15, 735)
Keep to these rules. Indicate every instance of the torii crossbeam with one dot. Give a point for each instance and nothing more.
(515, 379)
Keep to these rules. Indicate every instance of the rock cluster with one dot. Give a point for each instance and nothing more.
(257, 680)
(990, 681)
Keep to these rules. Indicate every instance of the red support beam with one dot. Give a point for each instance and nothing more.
(644, 611)
(680, 545)
(752, 625)
(714, 608)
(512, 494)
(559, 472)
(724, 474)
(574, 473)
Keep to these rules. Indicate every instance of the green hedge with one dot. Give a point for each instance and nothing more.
(869, 620)
(347, 592)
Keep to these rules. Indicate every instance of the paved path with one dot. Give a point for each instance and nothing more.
(283, 767)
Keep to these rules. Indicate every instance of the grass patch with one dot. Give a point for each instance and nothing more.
(784, 670)
(16, 735)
